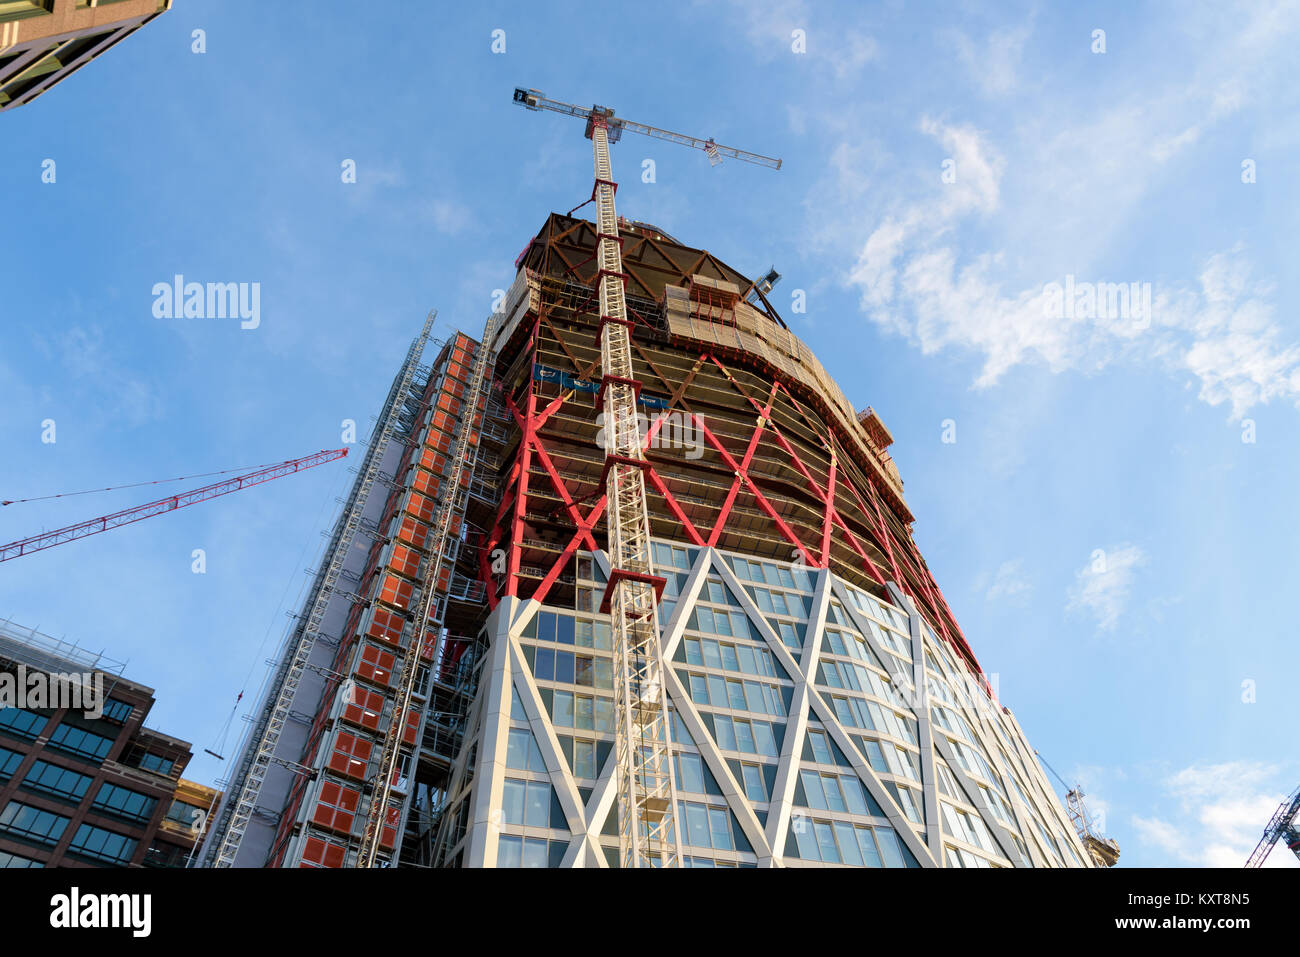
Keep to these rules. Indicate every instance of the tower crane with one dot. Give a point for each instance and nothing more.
(647, 791)
(1285, 826)
(127, 516)
(1104, 851)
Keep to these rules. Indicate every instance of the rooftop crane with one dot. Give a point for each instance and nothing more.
(103, 523)
(1103, 850)
(1284, 825)
(647, 791)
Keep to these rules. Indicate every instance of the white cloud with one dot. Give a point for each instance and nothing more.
(1009, 582)
(1102, 586)
(1076, 184)
(994, 63)
(1221, 811)
(449, 216)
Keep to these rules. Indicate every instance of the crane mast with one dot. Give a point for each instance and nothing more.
(646, 787)
(1284, 826)
(647, 794)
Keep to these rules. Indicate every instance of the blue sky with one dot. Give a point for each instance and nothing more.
(1118, 556)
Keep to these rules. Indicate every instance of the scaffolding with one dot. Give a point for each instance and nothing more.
(261, 745)
(447, 534)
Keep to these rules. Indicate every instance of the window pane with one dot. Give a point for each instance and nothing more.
(848, 842)
(512, 802)
(721, 828)
(812, 789)
(537, 803)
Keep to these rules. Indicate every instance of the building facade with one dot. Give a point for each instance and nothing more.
(43, 42)
(825, 707)
(80, 787)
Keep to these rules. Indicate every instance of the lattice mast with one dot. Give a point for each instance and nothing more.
(647, 790)
(427, 622)
(1284, 826)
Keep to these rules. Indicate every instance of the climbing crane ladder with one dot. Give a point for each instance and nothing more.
(258, 757)
(647, 794)
(647, 791)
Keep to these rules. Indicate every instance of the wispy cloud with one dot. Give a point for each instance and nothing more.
(994, 62)
(1050, 197)
(1009, 582)
(1103, 585)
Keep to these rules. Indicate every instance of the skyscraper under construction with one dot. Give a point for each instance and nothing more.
(448, 693)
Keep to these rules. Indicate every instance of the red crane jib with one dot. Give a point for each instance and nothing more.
(125, 517)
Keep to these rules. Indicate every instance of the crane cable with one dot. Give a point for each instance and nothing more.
(114, 488)
(1040, 757)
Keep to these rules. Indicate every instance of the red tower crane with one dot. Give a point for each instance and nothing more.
(125, 517)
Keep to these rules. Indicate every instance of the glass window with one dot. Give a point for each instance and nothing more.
(563, 712)
(812, 789)
(867, 844)
(765, 739)
(725, 733)
(744, 737)
(22, 723)
(893, 857)
(125, 803)
(583, 717)
(509, 851)
(736, 697)
(717, 691)
(690, 770)
(697, 825)
(544, 668)
(693, 652)
(604, 714)
(848, 842)
(584, 759)
(564, 667)
(699, 689)
(9, 761)
(116, 711)
(755, 786)
(103, 845)
(534, 853)
(720, 825)
(83, 743)
(805, 838)
(826, 842)
(522, 752)
(32, 823)
(59, 782)
(712, 656)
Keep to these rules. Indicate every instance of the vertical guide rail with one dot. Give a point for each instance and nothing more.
(446, 547)
(647, 791)
(257, 757)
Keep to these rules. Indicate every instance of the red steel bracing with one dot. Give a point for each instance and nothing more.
(741, 473)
